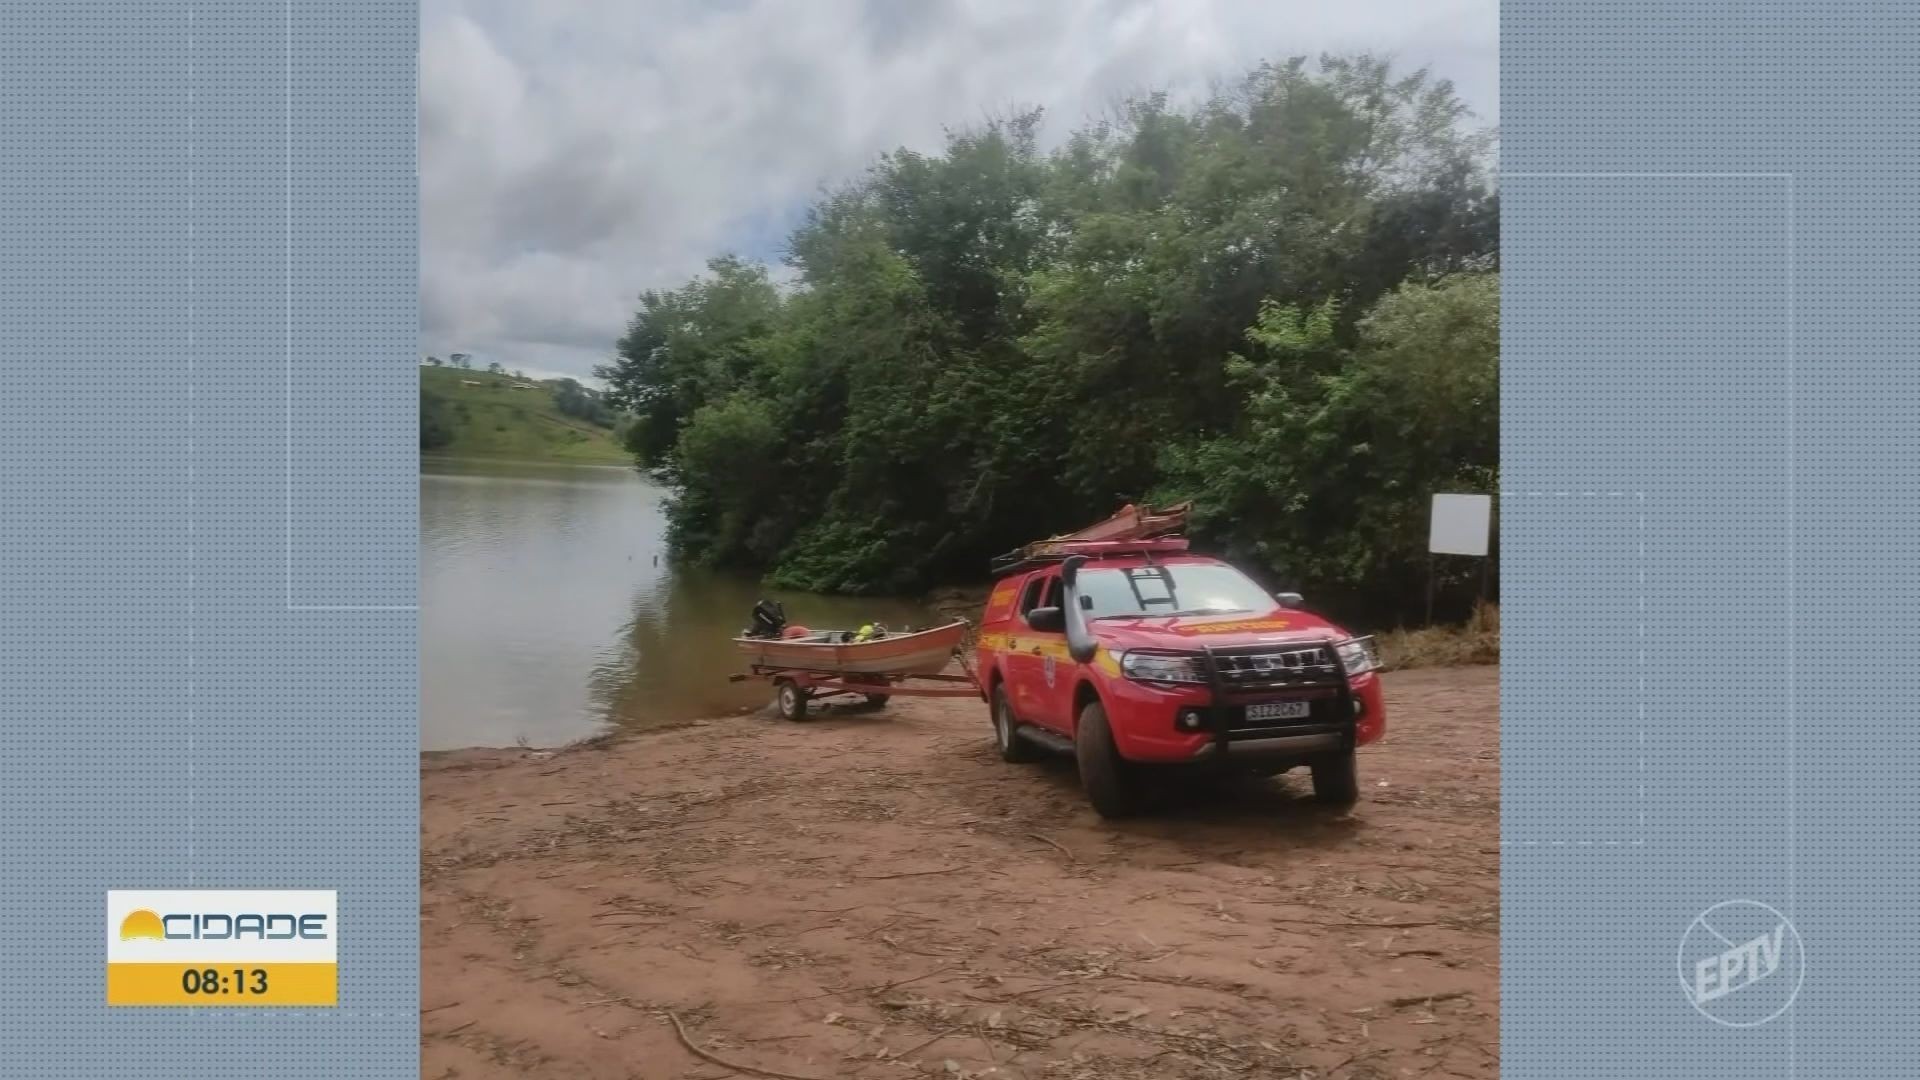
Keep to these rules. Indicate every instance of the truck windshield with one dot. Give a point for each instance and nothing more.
(1179, 589)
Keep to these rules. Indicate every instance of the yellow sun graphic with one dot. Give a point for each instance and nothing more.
(142, 924)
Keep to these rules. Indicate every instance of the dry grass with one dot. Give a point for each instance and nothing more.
(1475, 642)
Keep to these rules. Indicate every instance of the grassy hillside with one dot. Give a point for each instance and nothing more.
(476, 414)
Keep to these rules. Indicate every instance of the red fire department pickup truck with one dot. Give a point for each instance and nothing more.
(1133, 654)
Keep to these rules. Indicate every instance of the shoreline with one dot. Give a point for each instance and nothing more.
(504, 459)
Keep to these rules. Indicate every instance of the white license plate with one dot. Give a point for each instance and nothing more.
(1280, 710)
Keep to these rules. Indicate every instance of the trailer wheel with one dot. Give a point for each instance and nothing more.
(878, 700)
(791, 700)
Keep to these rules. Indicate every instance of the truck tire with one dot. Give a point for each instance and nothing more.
(1006, 734)
(1336, 779)
(1112, 784)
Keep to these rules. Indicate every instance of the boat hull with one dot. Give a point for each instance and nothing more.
(925, 653)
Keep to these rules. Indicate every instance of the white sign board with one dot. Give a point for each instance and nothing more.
(1461, 524)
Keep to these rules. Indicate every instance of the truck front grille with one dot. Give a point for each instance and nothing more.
(1308, 666)
(1250, 675)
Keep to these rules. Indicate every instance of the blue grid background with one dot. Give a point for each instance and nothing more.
(206, 551)
(208, 512)
(1740, 348)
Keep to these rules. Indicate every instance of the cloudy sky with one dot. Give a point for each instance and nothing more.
(576, 152)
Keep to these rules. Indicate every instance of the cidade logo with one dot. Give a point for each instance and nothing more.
(1741, 963)
(219, 926)
(223, 947)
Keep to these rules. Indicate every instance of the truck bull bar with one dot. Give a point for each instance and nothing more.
(1313, 672)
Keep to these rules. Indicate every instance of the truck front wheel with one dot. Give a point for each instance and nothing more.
(1112, 783)
(1336, 779)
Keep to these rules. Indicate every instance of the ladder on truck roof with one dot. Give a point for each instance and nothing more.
(1132, 531)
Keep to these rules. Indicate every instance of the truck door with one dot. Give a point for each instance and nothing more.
(1040, 657)
(1020, 662)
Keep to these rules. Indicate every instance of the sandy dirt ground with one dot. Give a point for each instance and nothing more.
(875, 894)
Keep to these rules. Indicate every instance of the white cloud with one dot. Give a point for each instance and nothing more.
(576, 152)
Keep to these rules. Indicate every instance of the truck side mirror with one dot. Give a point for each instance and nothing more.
(1047, 620)
(1290, 599)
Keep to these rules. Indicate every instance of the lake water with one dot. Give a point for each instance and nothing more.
(549, 612)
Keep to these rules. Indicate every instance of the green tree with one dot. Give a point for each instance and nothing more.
(686, 347)
(994, 342)
(575, 400)
(436, 421)
(1326, 479)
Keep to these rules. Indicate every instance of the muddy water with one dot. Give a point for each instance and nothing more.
(549, 612)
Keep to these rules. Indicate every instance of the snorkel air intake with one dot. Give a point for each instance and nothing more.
(1080, 643)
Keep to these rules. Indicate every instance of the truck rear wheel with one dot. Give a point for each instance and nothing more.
(1113, 784)
(1006, 732)
(1336, 779)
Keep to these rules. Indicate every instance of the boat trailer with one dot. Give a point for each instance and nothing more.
(794, 688)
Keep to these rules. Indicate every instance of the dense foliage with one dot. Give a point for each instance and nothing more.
(583, 403)
(437, 420)
(1281, 303)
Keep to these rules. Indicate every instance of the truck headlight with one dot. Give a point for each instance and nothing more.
(1161, 667)
(1357, 656)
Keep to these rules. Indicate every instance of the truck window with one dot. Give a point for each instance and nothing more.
(1043, 590)
(1177, 589)
(1030, 595)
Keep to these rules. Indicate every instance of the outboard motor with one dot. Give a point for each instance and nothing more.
(769, 619)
